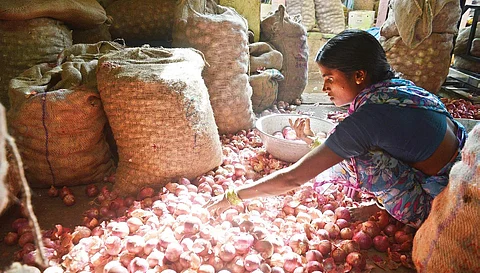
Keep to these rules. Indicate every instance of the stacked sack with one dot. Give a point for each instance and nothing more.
(265, 63)
(290, 39)
(222, 37)
(461, 59)
(330, 16)
(304, 10)
(448, 240)
(160, 114)
(418, 40)
(58, 121)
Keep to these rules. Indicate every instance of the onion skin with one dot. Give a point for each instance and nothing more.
(356, 260)
(363, 239)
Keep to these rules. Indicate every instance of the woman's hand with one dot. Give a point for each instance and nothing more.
(302, 129)
(217, 204)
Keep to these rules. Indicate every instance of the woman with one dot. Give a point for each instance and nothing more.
(398, 142)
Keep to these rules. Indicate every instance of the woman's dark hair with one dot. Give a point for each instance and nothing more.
(353, 50)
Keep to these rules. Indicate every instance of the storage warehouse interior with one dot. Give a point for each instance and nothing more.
(235, 136)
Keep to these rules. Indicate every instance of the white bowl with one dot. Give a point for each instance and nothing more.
(284, 149)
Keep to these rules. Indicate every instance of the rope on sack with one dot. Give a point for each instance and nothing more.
(47, 153)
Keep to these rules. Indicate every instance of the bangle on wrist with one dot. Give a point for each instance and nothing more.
(315, 143)
(232, 197)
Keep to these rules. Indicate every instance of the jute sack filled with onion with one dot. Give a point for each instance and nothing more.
(141, 19)
(448, 241)
(58, 122)
(305, 10)
(264, 56)
(290, 38)
(265, 89)
(330, 16)
(222, 37)
(28, 43)
(159, 110)
(426, 65)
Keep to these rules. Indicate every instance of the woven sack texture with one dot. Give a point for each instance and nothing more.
(92, 35)
(81, 14)
(427, 65)
(142, 19)
(28, 43)
(222, 37)
(444, 22)
(264, 56)
(463, 63)
(330, 16)
(290, 39)
(159, 110)
(416, 20)
(305, 10)
(265, 89)
(58, 122)
(448, 240)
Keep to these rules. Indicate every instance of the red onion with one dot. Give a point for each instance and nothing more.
(189, 259)
(363, 239)
(329, 265)
(342, 213)
(173, 251)
(115, 267)
(349, 246)
(381, 243)
(383, 219)
(145, 192)
(64, 191)
(155, 258)
(314, 255)
(338, 254)
(264, 248)
(237, 265)
(69, 200)
(390, 229)
(329, 216)
(325, 247)
(328, 206)
(119, 229)
(323, 234)
(402, 237)
(277, 269)
(243, 242)
(113, 245)
(314, 266)
(299, 243)
(138, 265)
(252, 262)
(134, 244)
(11, 238)
(356, 260)
(370, 228)
(346, 233)
(206, 268)
(227, 252)
(150, 245)
(79, 233)
(134, 224)
(333, 230)
(92, 190)
(19, 222)
(53, 192)
(342, 223)
(292, 261)
(25, 238)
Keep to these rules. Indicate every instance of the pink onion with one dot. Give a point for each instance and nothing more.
(114, 267)
(338, 255)
(138, 265)
(243, 242)
(314, 266)
(381, 243)
(113, 245)
(333, 230)
(363, 239)
(299, 243)
(173, 251)
(314, 255)
(252, 262)
(342, 213)
(325, 247)
(356, 260)
(264, 248)
(227, 252)
(292, 261)
(155, 258)
(134, 244)
(346, 233)
(206, 268)
(370, 228)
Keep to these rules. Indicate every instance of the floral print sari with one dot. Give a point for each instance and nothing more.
(405, 192)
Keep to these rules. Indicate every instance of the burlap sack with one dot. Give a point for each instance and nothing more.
(158, 107)
(147, 20)
(448, 240)
(427, 65)
(462, 40)
(290, 38)
(92, 35)
(58, 122)
(86, 53)
(444, 22)
(81, 14)
(305, 9)
(222, 38)
(466, 64)
(330, 16)
(265, 89)
(28, 43)
(264, 56)
(415, 19)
